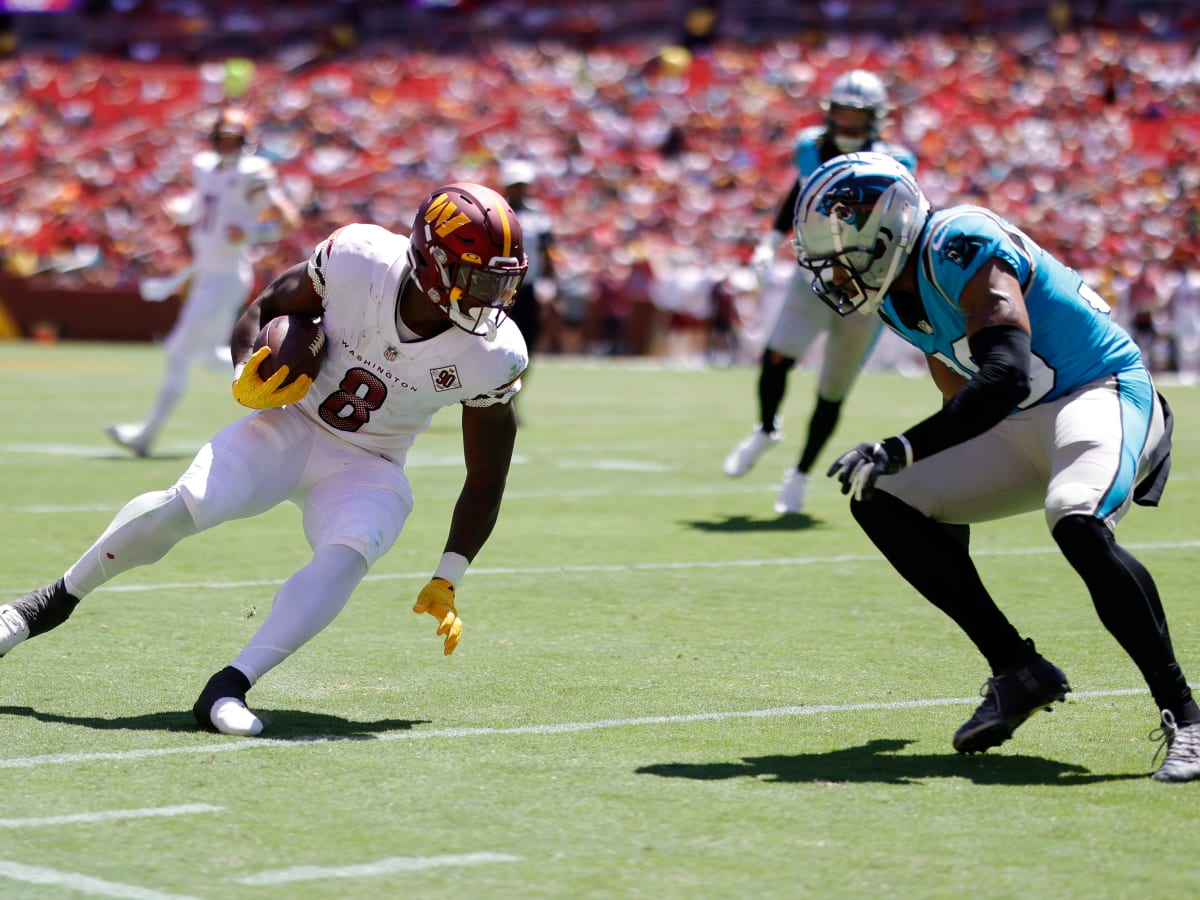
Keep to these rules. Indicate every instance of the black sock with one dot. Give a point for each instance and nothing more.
(772, 383)
(934, 559)
(820, 428)
(1128, 604)
(46, 608)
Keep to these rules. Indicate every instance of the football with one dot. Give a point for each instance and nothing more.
(297, 342)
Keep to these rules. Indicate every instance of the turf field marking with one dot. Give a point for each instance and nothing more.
(1048, 550)
(367, 870)
(83, 884)
(58, 759)
(112, 815)
(717, 490)
(52, 509)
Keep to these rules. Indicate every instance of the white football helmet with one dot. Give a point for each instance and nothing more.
(861, 90)
(856, 222)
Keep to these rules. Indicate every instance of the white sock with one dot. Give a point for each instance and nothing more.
(303, 606)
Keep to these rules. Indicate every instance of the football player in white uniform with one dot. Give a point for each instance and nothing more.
(236, 202)
(855, 111)
(413, 324)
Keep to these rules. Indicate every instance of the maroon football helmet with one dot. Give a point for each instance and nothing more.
(467, 255)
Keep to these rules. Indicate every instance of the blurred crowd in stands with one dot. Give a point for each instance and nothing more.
(661, 149)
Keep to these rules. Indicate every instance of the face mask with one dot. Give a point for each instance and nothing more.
(848, 144)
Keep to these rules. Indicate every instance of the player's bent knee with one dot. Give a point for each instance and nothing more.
(1073, 499)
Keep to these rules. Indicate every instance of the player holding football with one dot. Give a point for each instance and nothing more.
(236, 203)
(413, 325)
(855, 111)
(1046, 405)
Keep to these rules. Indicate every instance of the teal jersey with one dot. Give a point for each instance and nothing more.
(1074, 340)
(811, 151)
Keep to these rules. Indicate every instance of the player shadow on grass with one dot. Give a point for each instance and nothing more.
(878, 762)
(784, 522)
(285, 725)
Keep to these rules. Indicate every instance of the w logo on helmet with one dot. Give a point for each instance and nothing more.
(445, 217)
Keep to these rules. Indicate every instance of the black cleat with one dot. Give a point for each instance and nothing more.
(1008, 700)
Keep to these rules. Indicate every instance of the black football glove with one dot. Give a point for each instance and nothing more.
(858, 469)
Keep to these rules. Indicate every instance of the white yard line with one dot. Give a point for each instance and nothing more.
(1048, 549)
(112, 815)
(59, 759)
(82, 884)
(390, 866)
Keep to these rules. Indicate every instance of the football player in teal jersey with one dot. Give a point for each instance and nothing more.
(1047, 405)
(856, 110)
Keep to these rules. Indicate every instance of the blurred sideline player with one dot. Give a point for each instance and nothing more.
(855, 112)
(413, 325)
(236, 202)
(1047, 405)
(518, 177)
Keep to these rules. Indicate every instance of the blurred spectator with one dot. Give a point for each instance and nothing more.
(518, 178)
(1149, 299)
(1082, 127)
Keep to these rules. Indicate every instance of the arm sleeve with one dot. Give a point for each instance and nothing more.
(1003, 355)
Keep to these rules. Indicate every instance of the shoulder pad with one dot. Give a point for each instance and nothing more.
(902, 155)
(205, 160)
(810, 136)
(255, 165)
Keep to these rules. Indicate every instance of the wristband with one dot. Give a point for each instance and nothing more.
(452, 567)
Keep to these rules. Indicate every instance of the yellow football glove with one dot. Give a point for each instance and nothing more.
(437, 599)
(250, 390)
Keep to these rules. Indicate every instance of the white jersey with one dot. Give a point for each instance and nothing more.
(223, 195)
(375, 390)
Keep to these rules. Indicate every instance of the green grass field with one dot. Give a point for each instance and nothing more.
(663, 688)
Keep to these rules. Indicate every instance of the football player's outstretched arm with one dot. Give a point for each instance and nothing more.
(997, 326)
(489, 433)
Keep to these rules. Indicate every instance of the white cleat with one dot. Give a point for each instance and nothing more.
(131, 437)
(1182, 743)
(13, 629)
(792, 493)
(743, 457)
(231, 716)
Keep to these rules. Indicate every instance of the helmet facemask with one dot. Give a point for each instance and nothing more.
(476, 296)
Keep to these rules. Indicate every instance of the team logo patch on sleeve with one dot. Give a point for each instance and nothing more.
(962, 249)
(445, 378)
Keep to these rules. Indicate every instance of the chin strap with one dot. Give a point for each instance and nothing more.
(458, 317)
